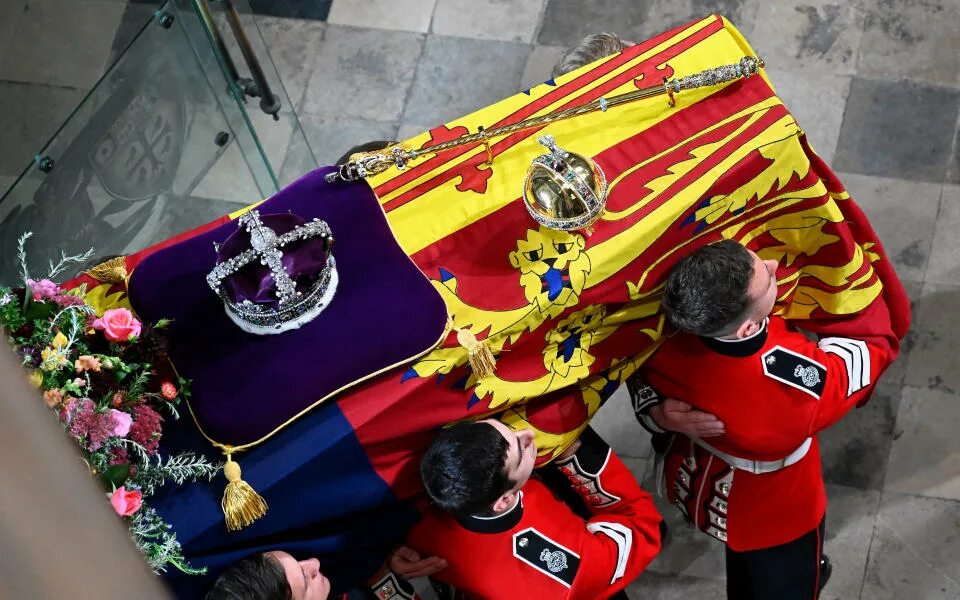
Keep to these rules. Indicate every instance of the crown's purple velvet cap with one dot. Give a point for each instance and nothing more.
(302, 259)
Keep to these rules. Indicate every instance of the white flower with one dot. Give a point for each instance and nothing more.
(5, 299)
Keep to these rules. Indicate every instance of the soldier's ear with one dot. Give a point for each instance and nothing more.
(505, 502)
(747, 328)
(514, 260)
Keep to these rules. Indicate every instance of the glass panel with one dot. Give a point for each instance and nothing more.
(282, 139)
(159, 146)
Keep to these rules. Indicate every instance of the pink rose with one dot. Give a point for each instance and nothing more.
(118, 325)
(43, 289)
(126, 502)
(119, 422)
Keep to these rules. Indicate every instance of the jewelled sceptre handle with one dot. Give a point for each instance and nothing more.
(363, 164)
(748, 65)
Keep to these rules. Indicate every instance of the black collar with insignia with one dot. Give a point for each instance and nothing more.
(744, 347)
(505, 521)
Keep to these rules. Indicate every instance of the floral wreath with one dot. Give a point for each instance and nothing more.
(109, 381)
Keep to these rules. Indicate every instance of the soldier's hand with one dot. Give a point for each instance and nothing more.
(676, 415)
(406, 563)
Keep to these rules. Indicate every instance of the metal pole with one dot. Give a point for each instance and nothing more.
(269, 103)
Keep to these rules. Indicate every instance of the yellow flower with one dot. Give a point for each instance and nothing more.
(60, 341)
(35, 378)
(52, 359)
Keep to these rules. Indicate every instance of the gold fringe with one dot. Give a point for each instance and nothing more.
(481, 358)
(241, 504)
(111, 271)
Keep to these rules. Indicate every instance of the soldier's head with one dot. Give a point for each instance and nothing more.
(273, 575)
(478, 468)
(721, 290)
(591, 48)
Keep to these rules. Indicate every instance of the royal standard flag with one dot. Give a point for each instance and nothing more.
(571, 315)
(568, 315)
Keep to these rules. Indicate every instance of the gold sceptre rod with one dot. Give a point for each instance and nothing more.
(363, 164)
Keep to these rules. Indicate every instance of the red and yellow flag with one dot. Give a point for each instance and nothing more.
(571, 315)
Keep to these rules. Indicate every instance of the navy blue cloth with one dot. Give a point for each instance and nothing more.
(325, 501)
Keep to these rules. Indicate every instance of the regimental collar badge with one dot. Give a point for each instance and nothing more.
(275, 273)
(556, 561)
(808, 375)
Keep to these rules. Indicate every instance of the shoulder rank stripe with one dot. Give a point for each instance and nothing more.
(620, 534)
(856, 357)
(795, 370)
(547, 556)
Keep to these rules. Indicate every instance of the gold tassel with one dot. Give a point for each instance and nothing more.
(241, 504)
(111, 271)
(479, 354)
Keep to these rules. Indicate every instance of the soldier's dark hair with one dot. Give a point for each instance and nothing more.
(257, 577)
(464, 469)
(707, 292)
(591, 48)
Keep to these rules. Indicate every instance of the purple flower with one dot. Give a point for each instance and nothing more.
(33, 354)
(78, 414)
(68, 300)
(146, 427)
(92, 427)
(118, 456)
(100, 431)
(43, 289)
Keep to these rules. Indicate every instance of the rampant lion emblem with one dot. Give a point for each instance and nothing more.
(553, 268)
(568, 343)
(808, 375)
(556, 560)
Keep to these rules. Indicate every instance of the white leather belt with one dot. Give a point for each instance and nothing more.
(758, 467)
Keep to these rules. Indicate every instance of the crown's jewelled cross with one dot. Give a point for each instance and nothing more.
(266, 246)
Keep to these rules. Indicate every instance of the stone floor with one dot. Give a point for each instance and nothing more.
(876, 83)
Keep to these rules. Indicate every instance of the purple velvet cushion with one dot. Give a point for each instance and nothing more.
(244, 386)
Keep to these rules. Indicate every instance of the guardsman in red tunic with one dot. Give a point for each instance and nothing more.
(505, 535)
(759, 487)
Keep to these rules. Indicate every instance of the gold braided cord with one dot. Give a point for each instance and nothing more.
(370, 163)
